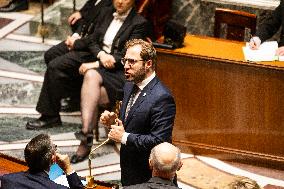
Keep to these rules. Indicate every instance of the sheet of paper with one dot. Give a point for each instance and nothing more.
(281, 58)
(63, 181)
(266, 52)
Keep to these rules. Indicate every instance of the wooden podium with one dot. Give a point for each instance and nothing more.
(102, 185)
(226, 107)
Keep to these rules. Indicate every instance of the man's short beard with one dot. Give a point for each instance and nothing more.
(139, 75)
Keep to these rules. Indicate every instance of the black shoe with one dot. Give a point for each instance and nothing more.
(44, 122)
(76, 158)
(69, 105)
(86, 149)
(15, 5)
(87, 138)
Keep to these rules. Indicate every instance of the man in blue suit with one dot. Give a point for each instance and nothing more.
(40, 154)
(147, 113)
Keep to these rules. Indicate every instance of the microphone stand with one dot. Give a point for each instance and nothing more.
(90, 179)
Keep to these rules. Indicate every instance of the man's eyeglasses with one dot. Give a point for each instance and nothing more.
(54, 147)
(130, 61)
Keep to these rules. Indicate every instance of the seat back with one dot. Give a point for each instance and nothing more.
(236, 24)
(157, 12)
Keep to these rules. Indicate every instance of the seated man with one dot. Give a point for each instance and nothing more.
(270, 26)
(40, 154)
(164, 161)
(82, 24)
(83, 21)
(106, 46)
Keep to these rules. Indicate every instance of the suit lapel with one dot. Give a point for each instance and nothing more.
(106, 23)
(142, 96)
(125, 25)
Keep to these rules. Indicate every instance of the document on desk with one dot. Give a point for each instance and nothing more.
(266, 52)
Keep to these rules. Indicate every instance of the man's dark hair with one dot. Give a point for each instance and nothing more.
(38, 153)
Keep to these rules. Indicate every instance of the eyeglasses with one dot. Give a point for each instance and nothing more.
(54, 147)
(130, 61)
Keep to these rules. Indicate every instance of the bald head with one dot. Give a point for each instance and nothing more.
(165, 160)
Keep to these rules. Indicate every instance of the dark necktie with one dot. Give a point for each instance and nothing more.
(135, 90)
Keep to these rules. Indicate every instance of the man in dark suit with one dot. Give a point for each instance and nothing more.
(82, 24)
(104, 49)
(164, 161)
(83, 21)
(147, 113)
(40, 154)
(270, 26)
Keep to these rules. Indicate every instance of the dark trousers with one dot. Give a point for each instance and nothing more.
(62, 78)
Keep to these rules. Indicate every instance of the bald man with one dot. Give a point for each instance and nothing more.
(164, 161)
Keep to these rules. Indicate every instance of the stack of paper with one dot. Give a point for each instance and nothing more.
(266, 52)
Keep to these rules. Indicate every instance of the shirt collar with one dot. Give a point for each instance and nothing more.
(161, 180)
(145, 82)
(121, 17)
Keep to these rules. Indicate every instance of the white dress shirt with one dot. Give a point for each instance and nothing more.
(112, 30)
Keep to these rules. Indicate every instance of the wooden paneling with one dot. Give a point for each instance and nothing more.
(225, 105)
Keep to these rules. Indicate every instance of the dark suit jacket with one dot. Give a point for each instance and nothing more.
(134, 26)
(90, 14)
(149, 122)
(154, 183)
(272, 24)
(26, 180)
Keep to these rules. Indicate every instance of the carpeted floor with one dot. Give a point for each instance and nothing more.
(4, 22)
(199, 175)
(17, 124)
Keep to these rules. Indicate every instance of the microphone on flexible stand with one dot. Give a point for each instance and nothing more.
(90, 179)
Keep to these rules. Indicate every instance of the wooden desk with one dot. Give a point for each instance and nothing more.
(9, 164)
(226, 107)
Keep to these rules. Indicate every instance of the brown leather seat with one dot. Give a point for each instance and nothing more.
(236, 24)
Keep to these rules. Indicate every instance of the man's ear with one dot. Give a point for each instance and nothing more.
(150, 164)
(53, 158)
(149, 64)
(180, 165)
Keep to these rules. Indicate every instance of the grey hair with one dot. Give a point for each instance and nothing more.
(243, 183)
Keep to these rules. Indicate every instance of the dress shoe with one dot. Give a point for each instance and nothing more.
(76, 158)
(15, 5)
(69, 105)
(85, 137)
(44, 122)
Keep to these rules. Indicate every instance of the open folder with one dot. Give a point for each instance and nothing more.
(266, 52)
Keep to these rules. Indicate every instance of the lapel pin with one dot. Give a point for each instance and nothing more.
(144, 94)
